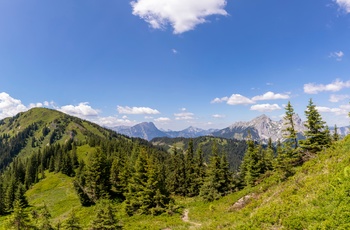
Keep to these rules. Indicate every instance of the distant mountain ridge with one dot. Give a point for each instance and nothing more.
(148, 131)
(190, 132)
(144, 130)
(261, 129)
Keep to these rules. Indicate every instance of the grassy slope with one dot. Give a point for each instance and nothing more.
(316, 197)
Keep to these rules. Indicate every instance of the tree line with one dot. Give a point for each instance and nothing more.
(146, 179)
(286, 155)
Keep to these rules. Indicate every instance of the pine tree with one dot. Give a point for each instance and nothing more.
(146, 194)
(290, 133)
(72, 222)
(31, 172)
(19, 219)
(336, 136)
(252, 165)
(328, 136)
(316, 136)
(136, 197)
(268, 156)
(199, 171)
(119, 176)
(284, 162)
(42, 171)
(18, 170)
(292, 156)
(210, 189)
(80, 184)
(67, 166)
(2, 197)
(176, 174)
(52, 164)
(58, 161)
(45, 216)
(74, 156)
(20, 195)
(105, 218)
(189, 171)
(225, 176)
(97, 177)
(9, 196)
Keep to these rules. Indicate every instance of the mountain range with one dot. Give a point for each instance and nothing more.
(260, 128)
(148, 131)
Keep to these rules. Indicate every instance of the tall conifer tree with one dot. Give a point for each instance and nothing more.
(175, 180)
(2, 197)
(316, 136)
(210, 189)
(104, 218)
(72, 222)
(145, 192)
(291, 156)
(97, 176)
(252, 166)
(19, 219)
(290, 133)
(190, 183)
(336, 136)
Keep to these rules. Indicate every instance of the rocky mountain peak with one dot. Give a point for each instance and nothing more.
(261, 128)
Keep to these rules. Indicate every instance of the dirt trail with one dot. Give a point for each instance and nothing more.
(185, 218)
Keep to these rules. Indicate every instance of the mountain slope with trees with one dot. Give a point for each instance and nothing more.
(234, 149)
(102, 165)
(68, 173)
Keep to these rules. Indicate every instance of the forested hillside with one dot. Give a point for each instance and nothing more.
(61, 172)
(42, 144)
(234, 149)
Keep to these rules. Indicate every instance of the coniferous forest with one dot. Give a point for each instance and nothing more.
(119, 182)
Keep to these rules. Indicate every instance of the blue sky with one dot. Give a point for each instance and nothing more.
(177, 63)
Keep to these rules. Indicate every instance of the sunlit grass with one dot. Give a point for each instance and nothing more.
(316, 197)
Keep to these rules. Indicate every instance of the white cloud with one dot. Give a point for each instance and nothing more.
(265, 107)
(342, 110)
(328, 110)
(162, 119)
(136, 110)
(335, 86)
(10, 106)
(344, 4)
(270, 96)
(337, 55)
(237, 99)
(345, 107)
(35, 105)
(82, 110)
(174, 51)
(48, 104)
(112, 121)
(219, 100)
(337, 98)
(218, 116)
(184, 116)
(182, 15)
